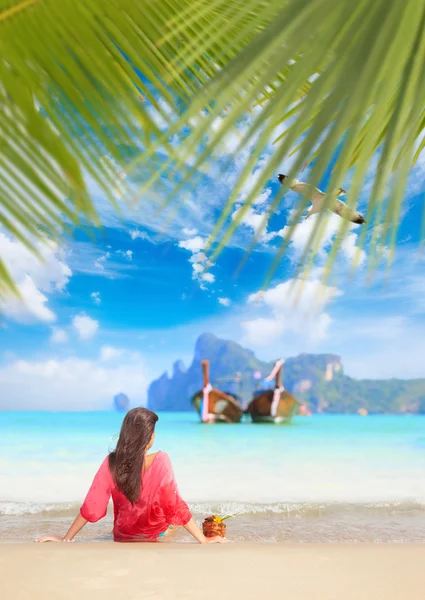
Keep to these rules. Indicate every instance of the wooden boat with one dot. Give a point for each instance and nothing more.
(214, 406)
(273, 406)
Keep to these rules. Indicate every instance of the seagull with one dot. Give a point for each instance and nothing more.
(316, 197)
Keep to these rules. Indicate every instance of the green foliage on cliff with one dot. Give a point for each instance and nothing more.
(346, 395)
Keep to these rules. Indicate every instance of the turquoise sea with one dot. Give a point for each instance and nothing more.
(325, 478)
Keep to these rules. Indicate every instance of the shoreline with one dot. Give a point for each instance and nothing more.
(168, 571)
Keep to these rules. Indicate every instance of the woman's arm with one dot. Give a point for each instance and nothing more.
(94, 507)
(77, 526)
(194, 530)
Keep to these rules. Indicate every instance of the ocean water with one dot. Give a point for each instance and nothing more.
(325, 478)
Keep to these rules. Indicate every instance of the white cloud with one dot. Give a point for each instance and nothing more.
(351, 251)
(231, 140)
(255, 217)
(59, 336)
(34, 278)
(209, 277)
(263, 197)
(332, 223)
(70, 384)
(189, 232)
(99, 262)
(86, 326)
(250, 218)
(109, 353)
(224, 301)
(191, 216)
(198, 257)
(195, 244)
(128, 254)
(261, 331)
(252, 180)
(197, 269)
(136, 234)
(95, 296)
(199, 260)
(296, 306)
(31, 306)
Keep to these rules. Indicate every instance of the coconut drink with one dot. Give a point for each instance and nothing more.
(213, 526)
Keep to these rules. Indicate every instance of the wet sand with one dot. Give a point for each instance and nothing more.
(171, 571)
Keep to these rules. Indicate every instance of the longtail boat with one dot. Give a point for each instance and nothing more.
(273, 406)
(214, 406)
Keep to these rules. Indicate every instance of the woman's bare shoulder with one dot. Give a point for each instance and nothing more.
(155, 456)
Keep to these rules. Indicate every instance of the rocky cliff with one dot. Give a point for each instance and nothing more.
(317, 379)
(226, 359)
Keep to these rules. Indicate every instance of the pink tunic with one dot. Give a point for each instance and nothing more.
(160, 504)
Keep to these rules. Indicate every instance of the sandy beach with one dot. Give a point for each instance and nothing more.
(188, 571)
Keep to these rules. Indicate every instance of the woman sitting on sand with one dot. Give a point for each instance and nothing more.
(144, 492)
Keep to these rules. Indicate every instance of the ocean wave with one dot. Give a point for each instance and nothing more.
(306, 509)
(290, 509)
(10, 508)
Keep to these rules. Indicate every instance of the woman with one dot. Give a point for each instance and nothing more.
(143, 489)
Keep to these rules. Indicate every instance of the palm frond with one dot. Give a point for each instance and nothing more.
(365, 69)
(81, 79)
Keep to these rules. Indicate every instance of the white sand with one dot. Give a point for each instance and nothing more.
(191, 572)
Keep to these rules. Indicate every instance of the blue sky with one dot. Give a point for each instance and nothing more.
(111, 309)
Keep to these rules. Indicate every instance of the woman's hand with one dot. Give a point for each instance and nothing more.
(194, 530)
(78, 524)
(217, 539)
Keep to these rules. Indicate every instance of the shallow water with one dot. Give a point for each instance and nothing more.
(322, 479)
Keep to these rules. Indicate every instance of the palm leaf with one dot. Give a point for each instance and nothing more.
(363, 58)
(81, 79)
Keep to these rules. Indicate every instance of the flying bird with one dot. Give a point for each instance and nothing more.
(317, 197)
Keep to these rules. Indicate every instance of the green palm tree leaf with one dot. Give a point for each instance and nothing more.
(83, 79)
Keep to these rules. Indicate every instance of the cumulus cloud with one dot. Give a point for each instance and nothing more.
(195, 244)
(31, 306)
(255, 214)
(95, 296)
(85, 326)
(127, 254)
(304, 229)
(34, 278)
(296, 306)
(136, 234)
(59, 336)
(251, 181)
(209, 277)
(224, 301)
(198, 259)
(189, 232)
(250, 218)
(99, 263)
(253, 219)
(71, 383)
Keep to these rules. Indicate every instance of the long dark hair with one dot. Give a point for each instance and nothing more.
(126, 461)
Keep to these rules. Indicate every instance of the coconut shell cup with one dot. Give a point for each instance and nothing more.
(211, 528)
